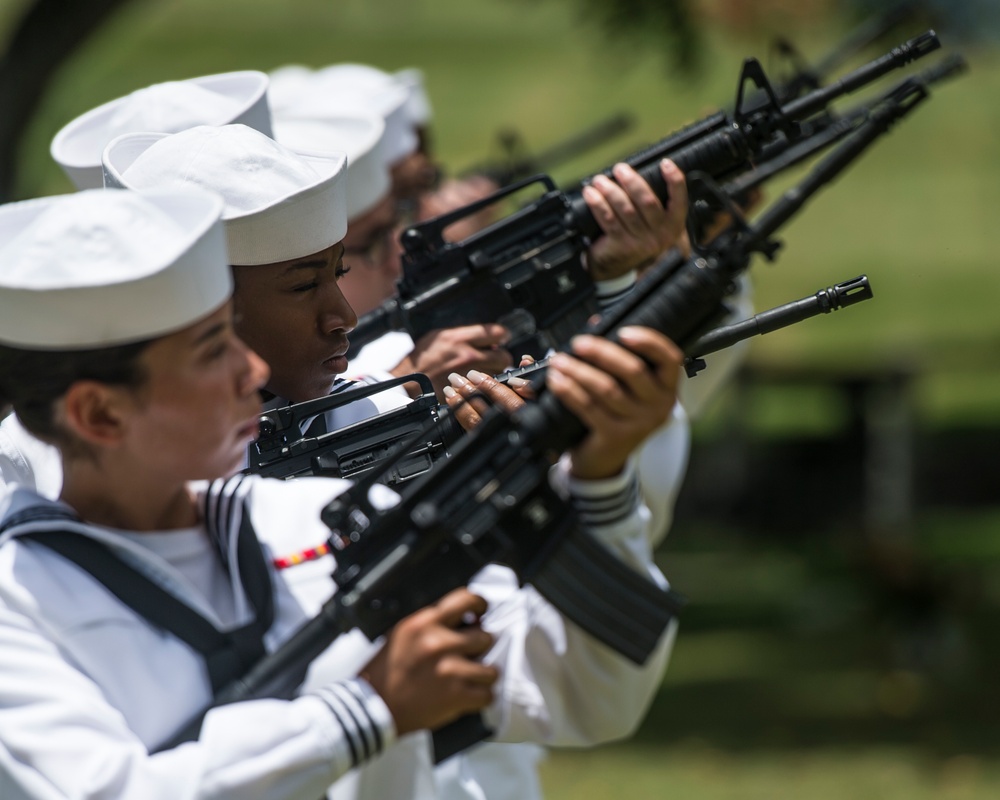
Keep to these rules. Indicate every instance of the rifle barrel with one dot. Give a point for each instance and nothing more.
(900, 56)
(824, 301)
(865, 34)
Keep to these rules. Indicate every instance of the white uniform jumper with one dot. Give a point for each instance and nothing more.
(87, 686)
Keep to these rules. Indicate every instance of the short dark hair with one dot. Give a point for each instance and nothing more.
(31, 381)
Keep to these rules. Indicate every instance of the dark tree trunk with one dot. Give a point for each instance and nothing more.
(46, 36)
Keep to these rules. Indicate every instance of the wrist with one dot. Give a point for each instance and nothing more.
(598, 467)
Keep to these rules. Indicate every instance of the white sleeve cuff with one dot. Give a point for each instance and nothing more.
(599, 503)
(612, 290)
(367, 724)
(608, 501)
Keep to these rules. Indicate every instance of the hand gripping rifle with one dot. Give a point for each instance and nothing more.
(490, 502)
(282, 450)
(526, 271)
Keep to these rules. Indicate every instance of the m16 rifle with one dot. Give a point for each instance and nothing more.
(517, 163)
(822, 131)
(490, 502)
(526, 271)
(842, 295)
(806, 77)
(282, 450)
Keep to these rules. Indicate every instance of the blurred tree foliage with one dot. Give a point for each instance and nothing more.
(678, 26)
(659, 23)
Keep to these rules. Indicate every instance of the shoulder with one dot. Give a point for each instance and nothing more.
(23, 504)
(28, 461)
(34, 579)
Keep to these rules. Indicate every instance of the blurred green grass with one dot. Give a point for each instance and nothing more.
(816, 667)
(699, 772)
(802, 670)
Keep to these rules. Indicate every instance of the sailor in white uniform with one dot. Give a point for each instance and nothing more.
(127, 601)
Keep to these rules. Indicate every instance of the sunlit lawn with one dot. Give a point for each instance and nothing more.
(698, 772)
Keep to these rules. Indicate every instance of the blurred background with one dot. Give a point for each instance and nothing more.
(838, 535)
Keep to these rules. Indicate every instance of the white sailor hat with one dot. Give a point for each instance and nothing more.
(419, 103)
(360, 136)
(97, 268)
(353, 88)
(279, 205)
(162, 108)
(286, 87)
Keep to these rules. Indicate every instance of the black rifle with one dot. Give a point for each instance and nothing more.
(283, 451)
(526, 272)
(821, 132)
(844, 294)
(490, 502)
(407, 441)
(807, 77)
(516, 164)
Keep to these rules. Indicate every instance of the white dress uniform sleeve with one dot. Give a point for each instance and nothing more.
(662, 464)
(610, 291)
(558, 685)
(58, 731)
(663, 458)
